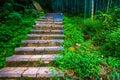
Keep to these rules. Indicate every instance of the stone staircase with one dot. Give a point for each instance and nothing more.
(33, 61)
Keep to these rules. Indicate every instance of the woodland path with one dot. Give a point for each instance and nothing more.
(32, 61)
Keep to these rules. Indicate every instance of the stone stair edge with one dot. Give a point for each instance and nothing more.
(38, 72)
(37, 35)
(42, 41)
(38, 48)
(48, 57)
(48, 26)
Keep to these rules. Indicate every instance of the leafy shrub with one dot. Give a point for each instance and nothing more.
(11, 36)
(5, 34)
(15, 16)
(111, 45)
(113, 62)
(76, 36)
(91, 28)
(86, 58)
(79, 58)
(15, 24)
(104, 32)
(81, 65)
(31, 12)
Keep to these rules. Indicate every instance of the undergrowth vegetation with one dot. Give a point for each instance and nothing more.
(80, 58)
(14, 26)
(91, 48)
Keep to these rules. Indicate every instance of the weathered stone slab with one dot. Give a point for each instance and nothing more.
(57, 30)
(36, 57)
(42, 41)
(19, 58)
(50, 22)
(39, 48)
(31, 72)
(45, 38)
(30, 41)
(44, 22)
(48, 57)
(58, 22)
(42, 44)
(25, 49)
(40, 30)
(12, 72)
(45, 72)
(47, 35)
(47, 30)
(46, 17)
(54, 48)
(48, 25)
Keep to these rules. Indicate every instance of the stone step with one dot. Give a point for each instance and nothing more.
(49, 21)
(53, 23)
(45, 20)
(47, 35)
(32, 73)
(47, 31)
(48, 26)
(41, 43)
(27, 60)
(46, 17)
(38, 50)
(44, 36)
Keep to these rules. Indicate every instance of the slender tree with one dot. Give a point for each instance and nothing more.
(108, 6)
(92, 11)
(85, 9)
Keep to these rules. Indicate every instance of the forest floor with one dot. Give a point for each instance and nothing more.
(87, 53)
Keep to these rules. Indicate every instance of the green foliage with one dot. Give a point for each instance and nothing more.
(12, 31)
(40, 62)
(83, 65)
(31, 13)
(71, 38)
(91, 28)
(84, 58)
(111, 45)
(104, 32)
(79, 58)
(109, 36)
(113, 62)
(12, 9)
(16, 16)
(11, 36)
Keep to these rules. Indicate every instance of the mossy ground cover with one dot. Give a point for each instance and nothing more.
(82, 57)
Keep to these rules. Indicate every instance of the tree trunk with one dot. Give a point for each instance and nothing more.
(85, 9)
(108, 6)
(37, 6)
(92, 11)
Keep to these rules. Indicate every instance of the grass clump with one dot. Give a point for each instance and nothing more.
(80, 59)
